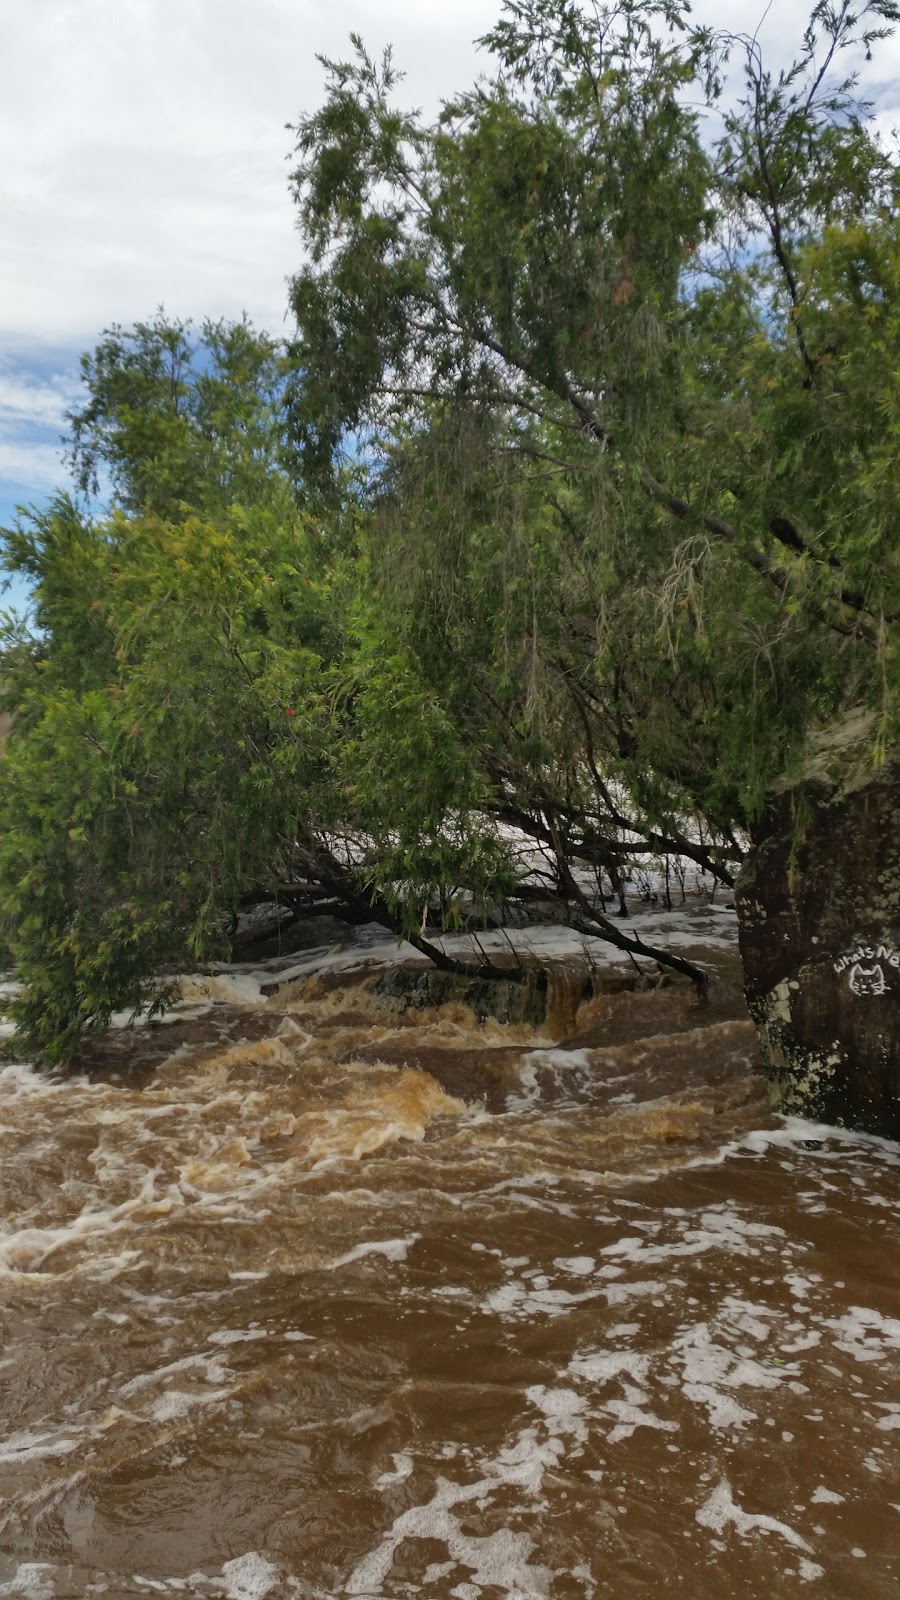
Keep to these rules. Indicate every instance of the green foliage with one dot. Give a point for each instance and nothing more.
(202, 713)
(175, 421)
(571, 507)
(140, 801)
(167, 697)
(635, 385)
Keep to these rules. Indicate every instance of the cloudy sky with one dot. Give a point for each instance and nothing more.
(144, 160)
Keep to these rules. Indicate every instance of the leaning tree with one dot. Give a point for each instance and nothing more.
(615, 342)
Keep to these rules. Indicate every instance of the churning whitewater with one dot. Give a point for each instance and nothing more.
(307, 1295)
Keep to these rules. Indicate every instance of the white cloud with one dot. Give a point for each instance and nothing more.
(144, 153)
(144, 150)
(26, 400)
(32, 467)
(32, 421)
(142, 143)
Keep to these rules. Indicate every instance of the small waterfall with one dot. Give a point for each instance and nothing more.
(568, 985)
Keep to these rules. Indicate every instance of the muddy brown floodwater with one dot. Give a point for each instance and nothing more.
(302, 1297)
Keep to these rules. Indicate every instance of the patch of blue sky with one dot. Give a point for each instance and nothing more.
(37, 387)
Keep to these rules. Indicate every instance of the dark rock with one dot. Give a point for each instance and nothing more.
(819, 919)
(548, 998)
(419, 989)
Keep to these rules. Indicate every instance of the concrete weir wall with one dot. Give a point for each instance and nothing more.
(819, 916)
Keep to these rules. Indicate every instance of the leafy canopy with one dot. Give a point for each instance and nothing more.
(202, 714)
(571, 506)
(649, 318)
(174, 419)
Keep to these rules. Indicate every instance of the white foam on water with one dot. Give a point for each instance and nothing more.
(824, 1145)
(709, 1369)
(23, 1079)
(538, 942)
(632, 1415)
(799, 1285)
(719, 1228)
(600, 1366)
(804, 1341)
(749, 1319)
(720, 1510)
(384, 952)
(249, 1577)
(809, 1571)
(32, 1581)
(236, 987)
(238, 1335)
(369, 947)
(578, 1266)
(27, 1446)
(631, 1369)
(403, 1469)
(794, 1133)
(823, 1496)
(198, 994)
(669, 930)
(27, 1250)
(176, 1403)
(563, 1409)
(618, 1294)
(499, 1559)
(865, 1334)
(391, 1249)
(559, 1063)
(528, 1091)
(210, 1367)
(520, 1301)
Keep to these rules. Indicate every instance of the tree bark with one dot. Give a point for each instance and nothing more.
(818, 907)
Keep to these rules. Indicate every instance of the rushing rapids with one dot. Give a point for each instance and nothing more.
(308, 1297)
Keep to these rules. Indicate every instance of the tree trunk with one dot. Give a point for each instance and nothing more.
(819, 915)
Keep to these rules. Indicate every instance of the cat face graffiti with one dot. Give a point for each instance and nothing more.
(867, 980)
